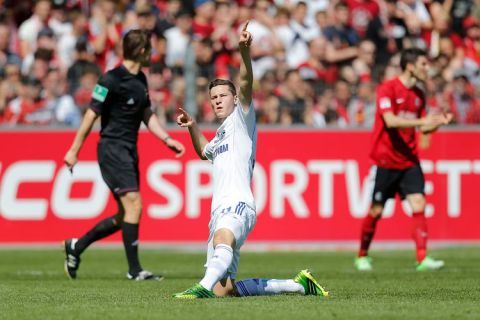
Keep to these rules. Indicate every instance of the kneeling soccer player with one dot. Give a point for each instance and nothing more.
(232, 152)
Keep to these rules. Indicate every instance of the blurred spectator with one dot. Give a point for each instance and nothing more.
(41, 64)
(58, 20)
(471, 42)
(59, 106)
(68, 40)
(104, 30)
(458, 10)
(361, 109)
(392, 69)
(322, 19)
(83, 63)
(361, 12)
(83, 94)
(146, 18)
(204, 60)
(264, 88)
(202, 25)
(302, 32)
(178, 38)
(293, 97)
(167, 16)
(337, 113)
(6, 55)
(461, 100)
(441, 29)
(159, 49)
(224, 38)
(29, 29)
(270, 112)
(415, 15)
(324, 71)
(387, 31)
(45, 52)
(160, 96)
(266, 47)
(342, 39)
(27, 107)
(364, 64)
(10, 87)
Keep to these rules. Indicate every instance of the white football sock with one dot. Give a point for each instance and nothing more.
(217, 266)
(266, 287)
(274, 286)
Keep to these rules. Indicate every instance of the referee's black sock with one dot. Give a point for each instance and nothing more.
(130, 241)
(101, 230)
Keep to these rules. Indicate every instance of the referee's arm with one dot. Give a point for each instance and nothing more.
(152, 123)
(71, 157)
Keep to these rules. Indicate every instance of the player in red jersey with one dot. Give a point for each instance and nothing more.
(400, 111)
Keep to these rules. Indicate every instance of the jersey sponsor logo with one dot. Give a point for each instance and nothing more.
(221, 149)
(99, 93)
(400, 101)
(385, 103)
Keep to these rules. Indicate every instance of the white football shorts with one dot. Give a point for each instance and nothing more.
(238, 218)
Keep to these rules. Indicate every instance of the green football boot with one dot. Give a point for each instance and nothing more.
(195, 292)
(311, 286)
(429, 264)
(363, 263)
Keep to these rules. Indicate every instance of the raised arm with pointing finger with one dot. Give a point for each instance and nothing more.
(246, 74)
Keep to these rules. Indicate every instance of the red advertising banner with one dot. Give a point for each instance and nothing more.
(309, 186)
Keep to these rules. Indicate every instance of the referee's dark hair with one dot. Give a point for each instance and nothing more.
(133, 43)
(410, 55)
(223, 82)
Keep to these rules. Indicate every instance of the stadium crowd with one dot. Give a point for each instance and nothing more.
(316, 62)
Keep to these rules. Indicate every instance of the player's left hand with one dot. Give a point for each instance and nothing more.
(176, 146)
(245, 37)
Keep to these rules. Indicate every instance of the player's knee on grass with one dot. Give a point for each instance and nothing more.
(224, 288)
(417, 202)
(224, 236)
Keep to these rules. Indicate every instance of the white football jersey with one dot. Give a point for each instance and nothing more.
(232, 153)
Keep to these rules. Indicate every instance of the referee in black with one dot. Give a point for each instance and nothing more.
(121, 99)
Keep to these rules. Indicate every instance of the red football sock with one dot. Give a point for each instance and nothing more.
(368, 230)
(419, 233)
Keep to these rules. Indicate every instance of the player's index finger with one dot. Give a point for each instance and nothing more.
(245, 26)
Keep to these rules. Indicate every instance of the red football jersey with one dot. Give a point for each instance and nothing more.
(396, 148)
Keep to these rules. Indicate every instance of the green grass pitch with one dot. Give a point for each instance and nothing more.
(33, 286)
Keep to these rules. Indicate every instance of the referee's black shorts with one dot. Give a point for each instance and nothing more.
(118, 162)
(389, 182)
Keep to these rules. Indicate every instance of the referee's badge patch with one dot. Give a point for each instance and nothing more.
(99, 93)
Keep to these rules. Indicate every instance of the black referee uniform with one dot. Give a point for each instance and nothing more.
(122, 101)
